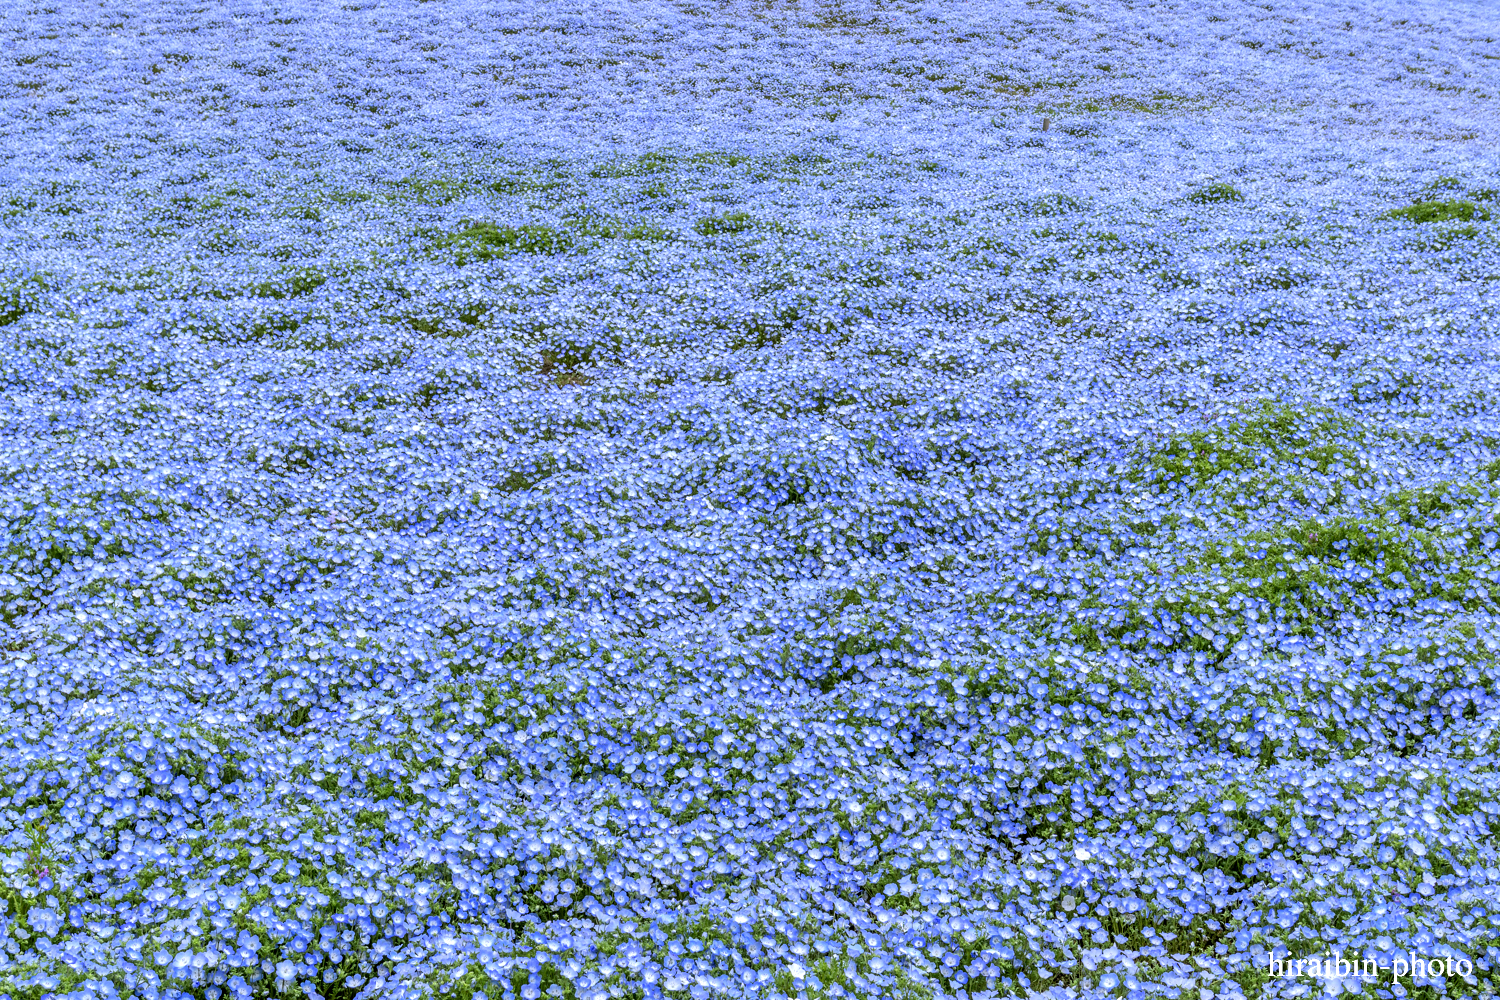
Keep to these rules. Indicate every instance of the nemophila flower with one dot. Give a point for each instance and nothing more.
(792, 531)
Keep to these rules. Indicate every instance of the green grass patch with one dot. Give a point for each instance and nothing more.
(608, 228)
(53, 197)
(1293, 568)
(659, 163)
(298, 283)
(1424, 212)
(484, 241)
(1159, 103)
(431, 191)
(1274, 436)
(439, 191)
(1251, 249)
(727, 224)
(1421, 506)
(1215, 193)
(640, 166)
(1049, 205)
(512, 185)
(20, 296)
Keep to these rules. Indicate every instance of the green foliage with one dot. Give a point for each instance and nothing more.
(910, 989)
(439, 191)
(995, 251)
(1421, 506)
(431, 191)
(1053, 204)
(800, 163)
(645, 231)
(483, 241)
(660, 163)
(1215, 193)
(1461, 232)
(1249, 250)
(52, 197)
(717, 159)
(65, 980)
(39, 859)
(523, 185)
(1160, 102)
(600, 227)
(1273, 434)
(1091, 244)
(21, 297)
(1439, 211)
(641, 166)
(1293, 569)
(474, 982)
(728, 223)
(299, 283)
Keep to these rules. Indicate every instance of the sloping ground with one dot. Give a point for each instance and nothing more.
(800, 529)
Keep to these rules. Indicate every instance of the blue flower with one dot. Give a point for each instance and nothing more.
(857, 536)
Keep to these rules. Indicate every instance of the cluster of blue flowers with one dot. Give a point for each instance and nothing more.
(807, 532)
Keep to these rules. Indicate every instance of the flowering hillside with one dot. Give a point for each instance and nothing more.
(715, 500)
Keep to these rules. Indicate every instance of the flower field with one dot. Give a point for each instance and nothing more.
(714, 500)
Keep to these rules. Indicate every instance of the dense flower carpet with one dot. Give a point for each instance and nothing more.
(749, 499)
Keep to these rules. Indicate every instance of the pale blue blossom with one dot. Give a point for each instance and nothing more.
(659, 499)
